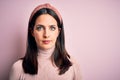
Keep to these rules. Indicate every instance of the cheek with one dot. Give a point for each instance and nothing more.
(55, 35)
(37, 36)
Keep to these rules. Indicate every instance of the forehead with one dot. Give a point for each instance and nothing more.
(45, 19)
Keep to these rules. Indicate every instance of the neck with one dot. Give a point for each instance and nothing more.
(46, 53)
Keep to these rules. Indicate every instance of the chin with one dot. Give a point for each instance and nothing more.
(46, 47)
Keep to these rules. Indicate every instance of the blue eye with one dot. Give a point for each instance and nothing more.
(39, 27)
(52, 28)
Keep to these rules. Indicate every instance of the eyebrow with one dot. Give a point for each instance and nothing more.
(52, 25)
(44, 26)
(40, 25)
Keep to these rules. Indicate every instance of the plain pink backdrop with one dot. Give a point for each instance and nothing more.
(92, 32)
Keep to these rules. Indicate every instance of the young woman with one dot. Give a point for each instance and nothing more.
(46, 57)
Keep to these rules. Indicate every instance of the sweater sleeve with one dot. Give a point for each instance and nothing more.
(16, 70)
(77, 71)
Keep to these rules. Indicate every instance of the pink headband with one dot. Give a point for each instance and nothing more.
(46, 5)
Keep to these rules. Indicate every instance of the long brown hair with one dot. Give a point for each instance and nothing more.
(59, 57)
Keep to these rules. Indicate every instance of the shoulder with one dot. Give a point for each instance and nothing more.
(17, 64)
(74, 61)
(76, 68)
(16, 70)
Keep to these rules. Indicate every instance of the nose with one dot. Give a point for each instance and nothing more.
(46, 33)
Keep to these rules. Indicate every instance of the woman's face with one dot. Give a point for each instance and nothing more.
(45, 31)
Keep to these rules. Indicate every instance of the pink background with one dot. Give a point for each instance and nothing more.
(92, 30)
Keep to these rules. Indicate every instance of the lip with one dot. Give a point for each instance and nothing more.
(46, 41)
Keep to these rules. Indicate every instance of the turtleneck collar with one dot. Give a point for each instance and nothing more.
(45, 53)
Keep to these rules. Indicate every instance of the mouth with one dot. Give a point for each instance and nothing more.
(46, 41)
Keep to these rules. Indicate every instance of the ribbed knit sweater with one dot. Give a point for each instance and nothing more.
(46, 70)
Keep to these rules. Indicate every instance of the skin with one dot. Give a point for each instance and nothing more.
(45, 31)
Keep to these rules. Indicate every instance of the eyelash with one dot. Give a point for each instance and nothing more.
(52, 28)
(39, 28)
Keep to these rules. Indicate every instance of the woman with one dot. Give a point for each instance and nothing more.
(46, 57)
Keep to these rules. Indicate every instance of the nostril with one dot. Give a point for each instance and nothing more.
(45, 36)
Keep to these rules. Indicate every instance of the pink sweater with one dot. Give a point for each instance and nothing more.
(46, 70)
